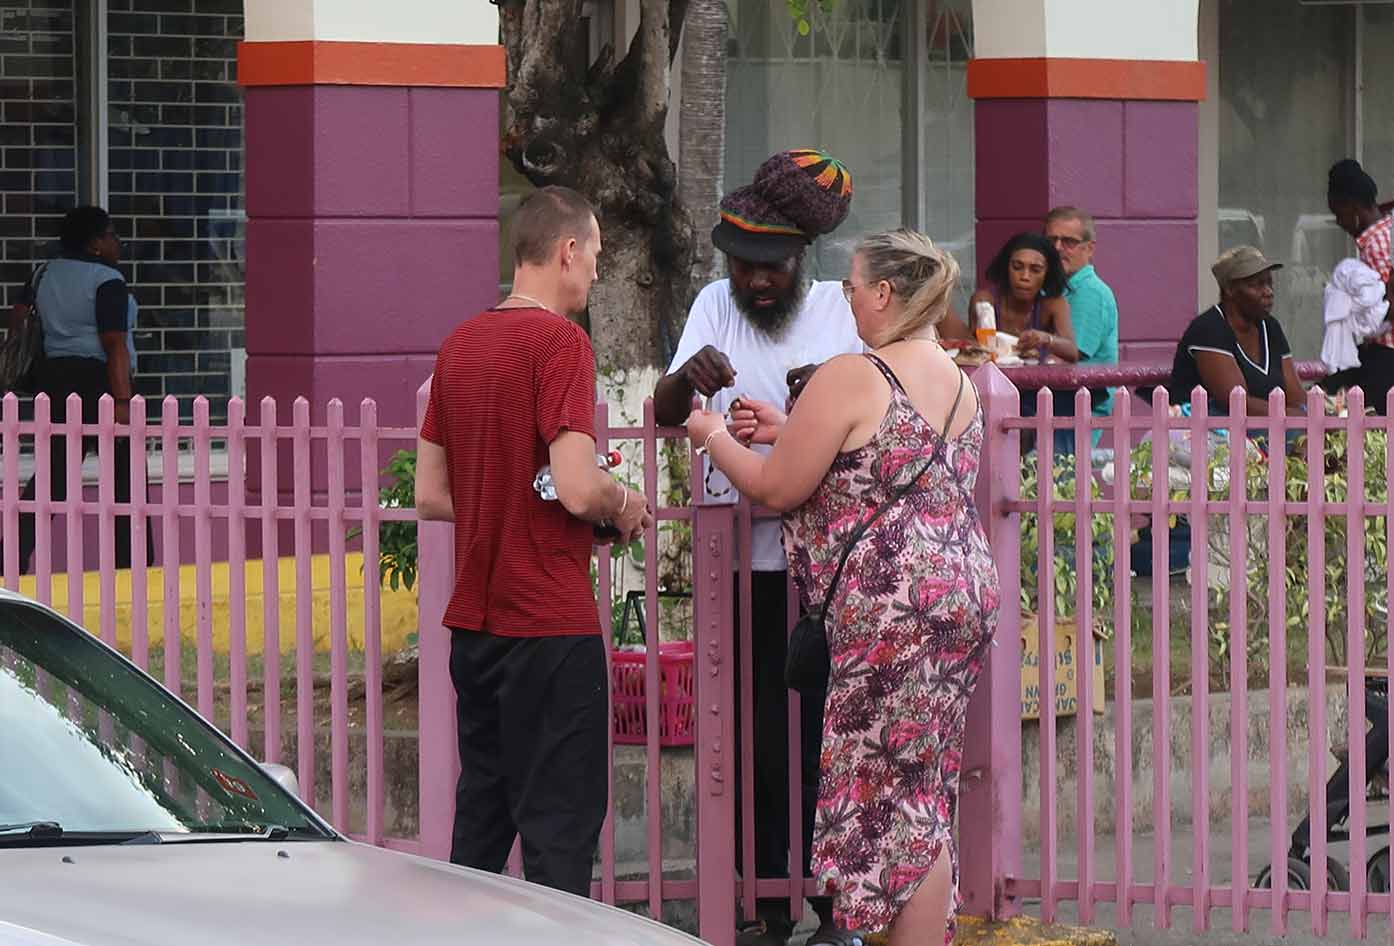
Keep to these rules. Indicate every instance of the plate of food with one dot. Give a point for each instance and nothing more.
(969, 354)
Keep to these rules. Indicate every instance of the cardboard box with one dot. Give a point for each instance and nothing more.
(1067, 663)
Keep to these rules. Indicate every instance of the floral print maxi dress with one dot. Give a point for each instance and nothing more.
(908, 631)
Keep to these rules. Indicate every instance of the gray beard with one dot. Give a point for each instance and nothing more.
(774, 321)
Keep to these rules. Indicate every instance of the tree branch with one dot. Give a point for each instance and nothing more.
(652, 39)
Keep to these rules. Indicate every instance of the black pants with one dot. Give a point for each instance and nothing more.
(1375, 376)
(86, 377)
(769, 623)
(1338, 793)
(532, 714)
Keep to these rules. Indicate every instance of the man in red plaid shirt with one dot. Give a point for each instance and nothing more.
(1353, 198)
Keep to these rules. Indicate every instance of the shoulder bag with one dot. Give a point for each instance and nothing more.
(807, 662)
(23, 349)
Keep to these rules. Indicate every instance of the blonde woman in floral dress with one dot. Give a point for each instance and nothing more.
(913, 615)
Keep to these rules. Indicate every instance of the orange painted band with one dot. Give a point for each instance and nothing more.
(1043, 78)
(315, 62)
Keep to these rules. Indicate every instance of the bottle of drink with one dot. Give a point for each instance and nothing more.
(985, 326)
(547, 489)
(542, 482)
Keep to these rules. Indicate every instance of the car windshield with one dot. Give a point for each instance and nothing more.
(90, 743)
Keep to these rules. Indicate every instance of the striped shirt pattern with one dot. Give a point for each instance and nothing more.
(1376, 252)
(507, 383)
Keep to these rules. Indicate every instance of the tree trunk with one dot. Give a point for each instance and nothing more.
(598, 127)
(702, 139)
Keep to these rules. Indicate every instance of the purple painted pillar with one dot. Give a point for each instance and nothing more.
(372, 231)
(990, 802)
(1132, 164)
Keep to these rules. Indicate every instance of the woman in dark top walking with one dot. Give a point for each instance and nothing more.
(1237, 343)
(87, 314)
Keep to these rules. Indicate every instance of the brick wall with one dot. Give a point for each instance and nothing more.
(38, 132)
(176, 188)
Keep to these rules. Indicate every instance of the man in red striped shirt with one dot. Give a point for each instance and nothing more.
(514, 390)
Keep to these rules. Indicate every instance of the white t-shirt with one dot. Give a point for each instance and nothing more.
(822, 328)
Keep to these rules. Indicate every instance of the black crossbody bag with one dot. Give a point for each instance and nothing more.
(807, 662)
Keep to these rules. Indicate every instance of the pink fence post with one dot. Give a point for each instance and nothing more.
(304, 603)
(372, 615)
(338, 621)
(1355, 655)
(140, 600)
(1316, 654)
(75, 504)
(744, 655)
(10, 459)
(203, 554)
(1389, 574)
(608, 889)
(270, 582)
(169, 545)
(1239, 657)
(1161, 658)
(1045, 646)
(237, 571)
(1200, 650)
(652, 685)
(43, 498)
(990, 809)
(106, 519)
(1277, 667)
(713, 564)
(439, 758)
(1084, 668)
(1122, 654)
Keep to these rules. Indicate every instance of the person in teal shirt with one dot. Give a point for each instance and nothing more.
(1093, 309)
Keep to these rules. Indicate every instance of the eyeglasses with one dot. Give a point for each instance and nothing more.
(1067, 242)
(848, 289)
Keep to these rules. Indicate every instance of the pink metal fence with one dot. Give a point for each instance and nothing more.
(1244, 514)
(256, 456)
(303, 481)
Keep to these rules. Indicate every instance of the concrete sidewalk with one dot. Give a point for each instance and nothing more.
(1143, 931)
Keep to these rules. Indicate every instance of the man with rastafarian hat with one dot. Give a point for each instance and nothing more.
(756, 335)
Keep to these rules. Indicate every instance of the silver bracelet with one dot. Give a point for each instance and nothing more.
(707, 444)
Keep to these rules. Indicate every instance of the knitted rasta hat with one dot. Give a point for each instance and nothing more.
(795, 197)
(1347, 180)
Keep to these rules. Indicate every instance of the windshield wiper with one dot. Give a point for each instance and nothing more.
(246, 831)
(49, 832)
(33, 829)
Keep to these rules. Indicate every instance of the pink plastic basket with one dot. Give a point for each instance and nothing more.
(674, 701)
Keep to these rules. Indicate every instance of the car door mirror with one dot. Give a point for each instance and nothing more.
(282, 776)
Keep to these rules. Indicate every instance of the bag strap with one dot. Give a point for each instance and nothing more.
(900, 492)
(35, 281)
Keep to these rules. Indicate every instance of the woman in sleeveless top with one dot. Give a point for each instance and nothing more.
(912, 617)
(1026, 289)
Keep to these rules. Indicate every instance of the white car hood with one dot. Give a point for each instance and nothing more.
(302, 893)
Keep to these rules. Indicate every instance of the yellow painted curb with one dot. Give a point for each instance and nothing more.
(1020, 931)
(399, 614)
